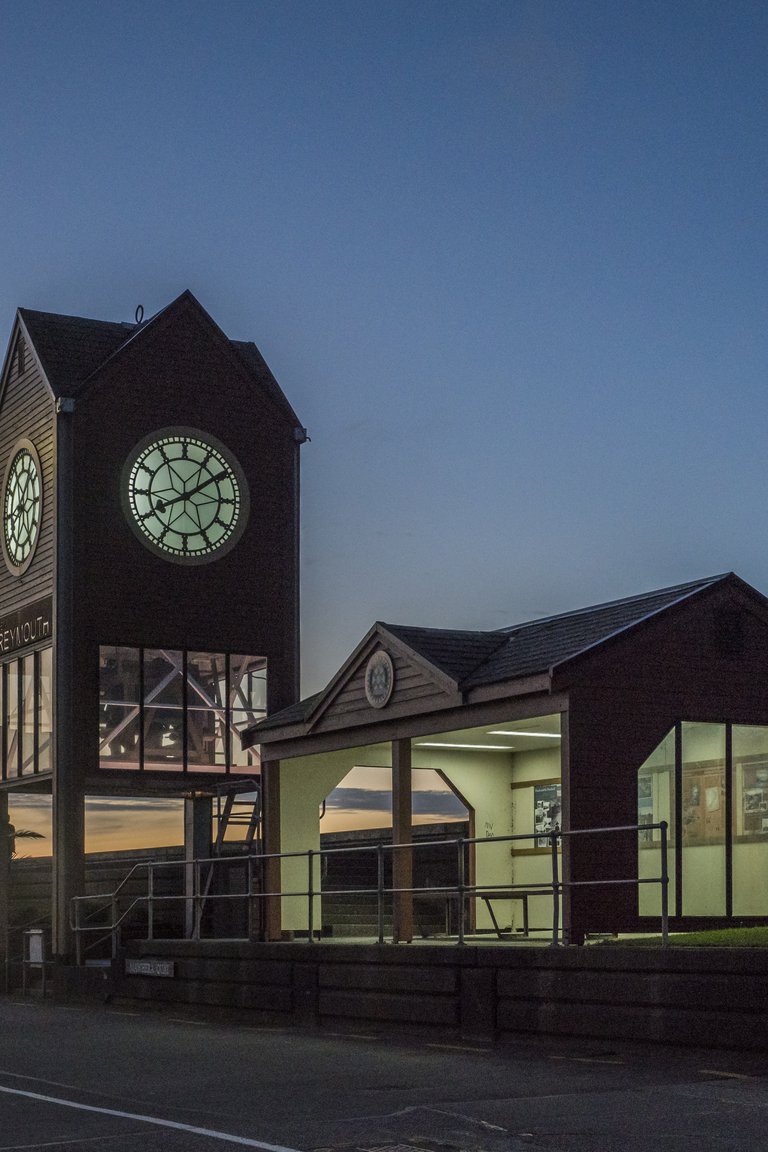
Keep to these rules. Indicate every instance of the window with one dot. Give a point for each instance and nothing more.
(119, 707)
(656, 802)
(45, 711)
(710, 782)
(168, 710)
(703, 819)
(26, 715)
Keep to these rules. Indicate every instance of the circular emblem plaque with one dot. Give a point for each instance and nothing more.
(379, 679)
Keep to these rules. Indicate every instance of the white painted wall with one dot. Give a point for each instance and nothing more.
(304, 784)
(483, 779)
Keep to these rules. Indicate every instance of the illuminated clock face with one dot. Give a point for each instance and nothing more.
(22, 506)
(185, 495)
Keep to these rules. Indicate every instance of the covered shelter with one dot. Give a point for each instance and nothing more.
(618, 716)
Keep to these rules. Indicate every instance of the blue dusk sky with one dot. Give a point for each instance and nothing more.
(507, 260)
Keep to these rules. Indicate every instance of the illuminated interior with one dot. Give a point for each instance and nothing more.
(165, 710)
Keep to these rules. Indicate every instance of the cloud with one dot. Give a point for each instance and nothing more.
(425, 803)
(121, 804)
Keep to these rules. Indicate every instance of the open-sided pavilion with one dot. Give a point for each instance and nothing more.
(647, 709)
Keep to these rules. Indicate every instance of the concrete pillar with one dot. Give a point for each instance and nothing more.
(198, 814)
(271, 920)
(402, 833)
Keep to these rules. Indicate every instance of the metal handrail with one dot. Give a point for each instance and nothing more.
(462, 891)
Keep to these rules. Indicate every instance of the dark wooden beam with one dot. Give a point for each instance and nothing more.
(402, 833)
(270, 799)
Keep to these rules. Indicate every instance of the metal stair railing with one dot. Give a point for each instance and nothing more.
(226, 817)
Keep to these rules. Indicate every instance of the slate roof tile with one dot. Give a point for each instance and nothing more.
(453, 651)
(70, 348)
(537, 645)
(293, 714)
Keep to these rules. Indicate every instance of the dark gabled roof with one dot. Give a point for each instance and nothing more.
(293, 714)
(259, 368)
(453, 651)
(70, 348)
(477, 659)
(539, 645)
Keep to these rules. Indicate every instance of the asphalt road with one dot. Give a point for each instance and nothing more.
(85, 1079)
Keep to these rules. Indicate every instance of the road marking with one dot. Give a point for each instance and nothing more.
(458, 1048)
(726, 1075)
(587, 1059)
(226, 1136)
(349, 1035)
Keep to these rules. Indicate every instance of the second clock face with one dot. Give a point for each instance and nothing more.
(22, 506)
(185, 495)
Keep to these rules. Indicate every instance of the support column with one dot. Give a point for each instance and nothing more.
(271, 923)
(6, 848)
(68, 863)
(68, 791)
(402, 833)
(198, 814)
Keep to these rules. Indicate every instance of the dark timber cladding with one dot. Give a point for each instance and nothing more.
(28, 409)
(85, 396)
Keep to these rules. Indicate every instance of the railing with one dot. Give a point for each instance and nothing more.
(200, 892)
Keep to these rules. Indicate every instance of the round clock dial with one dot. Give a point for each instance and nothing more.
(22, 506)
(185, 495)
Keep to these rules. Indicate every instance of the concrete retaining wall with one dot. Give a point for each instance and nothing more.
(681, 996)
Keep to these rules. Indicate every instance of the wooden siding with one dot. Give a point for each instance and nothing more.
(27, 410)
(413, 686)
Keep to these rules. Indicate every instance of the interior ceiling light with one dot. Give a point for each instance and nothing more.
(517, 732)
(484, 747)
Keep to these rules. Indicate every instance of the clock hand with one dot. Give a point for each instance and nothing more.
(161, 505)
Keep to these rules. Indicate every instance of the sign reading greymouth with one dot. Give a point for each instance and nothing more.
(27, 626)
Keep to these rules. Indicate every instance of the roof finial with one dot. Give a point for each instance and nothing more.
(139, 313)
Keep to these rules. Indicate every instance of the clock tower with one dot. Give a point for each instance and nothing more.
(149, 581)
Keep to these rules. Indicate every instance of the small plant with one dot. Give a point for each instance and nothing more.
(15, 834)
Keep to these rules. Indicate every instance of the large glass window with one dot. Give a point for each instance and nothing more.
(163, 720)
(45, 711)
(703, 819)
(13, 746)
(750, 820)
(119, 707)
(3, 723)
(168, 710)
(656, 802)
(248, 703)
(26, 714)
(206, 710)
(28, 701)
